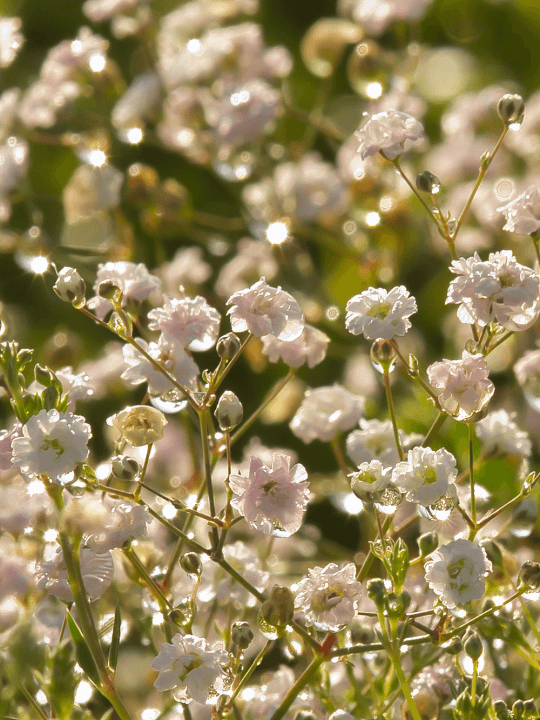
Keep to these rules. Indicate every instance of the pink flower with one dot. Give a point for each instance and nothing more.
(390, 132)
(463, 386)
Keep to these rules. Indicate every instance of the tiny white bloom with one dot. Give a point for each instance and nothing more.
(272, 499)
(463, 386)
(329, 596)
(390, 132)
(370, 477)
(135, 282)
(374, 440)
(499, 434)
(378, 313)
(170, 354)
(139, 425)
(523, 213)
(97, 572)
(324, 412)
(425, 475)
(309, 347)
(190, 321)
(193, 669)
(52, 443)
(456, 572)
(265, 310)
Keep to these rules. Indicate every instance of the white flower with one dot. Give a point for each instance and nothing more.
(193, 669)
(53, 443)
(374, 440)
(309, 347)
(463, 386)
(135, 282)
(499, 434)
(99, 10)
(370, 477)
(272, 499)
(265, 310)
(97, 572)
(325, 411)
(456, 572)
(425, 475)
(11, 40)
(523, 213)
(139, 425)
(190, 321)
(391, 132)
(170, 354)
(527, 370)
(329, 596)
(497, 290)
(377, 313)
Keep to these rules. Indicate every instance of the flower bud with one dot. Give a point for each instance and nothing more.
(394, 605)
(70, 287)
(454, 647)
(229, 411)
(383, 354)
(428, 543)
(124, 467)
(517, 709)
(228, 345)
(376, 591)
(501, 711)
(529, 710)
(191, 563)
(241, 634)
(43, 375)
(139, 425)
(511, 109)
(428, 182)
(529, 575)
(493, 552)
(406, 599)
(426, 703)
(278, 609)
(473, 646)
(109, 290)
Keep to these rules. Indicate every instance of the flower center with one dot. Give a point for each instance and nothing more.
(52, 444)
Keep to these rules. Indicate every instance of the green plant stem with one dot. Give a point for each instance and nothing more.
(374, 647)
(370, 557)
(471, 481)
(486, 613)
(389, 400)
(305, 678)
(493, 347)
(494, 513)
(434, 429)
(142, 572)
(242, 680)
(139, 487)
(220, 376)
(33, 702)
(429, 211)
(203, 420)
(339, 458)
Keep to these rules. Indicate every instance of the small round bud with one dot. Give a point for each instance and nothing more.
(43, 376)
(124, 467)
(376, 590)
(109, 290)
(70, 286)
(501, 710)
(428, 543)
(139, 425)
(529, 709)
(383, 353)
(394, 605)
(529, 575)
(191, 563)
(278, 610)
(241, 635)
(473, 646)
(511, 109)
(428, 182)
(229, 411)
(228, 345)
(493, 552)
(406, 599)
(517, 709)
(454, 647)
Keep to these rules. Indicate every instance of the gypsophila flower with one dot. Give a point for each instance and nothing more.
(374, 440)
(272, 499)
(97, 572)
(390, 132)
(378, 313)
(426, 475)
(134, 281)
(499, 434)
(192, 322)
(324, 412)
(497, 290)
(52, 443)
(370, 477)
(139, 425)
(170, 354)
(99, 10)
(309, 347)
(456, 572)
(193, 669)
(329, 596)
(463, 386)
(523, 212)
(265, 310)
(11, 40)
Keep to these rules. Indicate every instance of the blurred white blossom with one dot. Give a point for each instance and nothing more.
(326, 411)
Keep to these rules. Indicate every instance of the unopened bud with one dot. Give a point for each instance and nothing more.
(191, 563)
(229, 411)
(529, 710)
(517, 709)
(454, 647)
(124, 467)
(511, 109)
(376, 591)
(428, 182)
(241, 635)
(473, 646)
(394, 605)
(493, 552)
(70, 287)
(383, 354)
(501, 710)
(529, 575)
(428, 543)
(228, 345)
(43, 375)
(278, 610)
(109, 290)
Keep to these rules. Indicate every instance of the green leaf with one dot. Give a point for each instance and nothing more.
(115, 642)
(82, 651)
(63, 682)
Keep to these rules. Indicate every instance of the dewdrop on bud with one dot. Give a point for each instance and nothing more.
(124, 467)
(426, 703)
(228, 345)
(511, 109)
(428, 543)
(229, 411)
(241, 635)
(70, 287)
(529, 575)
(276, 612)
(383, 355)
(473, 647)
(428, 182)
(191, 563)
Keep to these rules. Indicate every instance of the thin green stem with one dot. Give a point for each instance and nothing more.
(429, 211)
(203, 420)
(389, 400)
(434, 429)
(305, 678)
(471, 480)
(142, 572)
(139, 487)
(220, 377)
(33, 702)
(242, 680)
(374, 647)
(486, 613)
(524, 607)
(495, 345)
